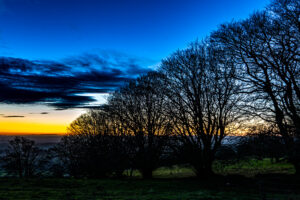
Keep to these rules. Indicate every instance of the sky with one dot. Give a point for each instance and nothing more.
(60, 57)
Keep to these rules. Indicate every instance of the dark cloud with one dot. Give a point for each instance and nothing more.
(44, 113)
(13, 116)
(65, 84)
(41, 113)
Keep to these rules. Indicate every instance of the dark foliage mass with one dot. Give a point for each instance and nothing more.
(94, 148)
(184, 113)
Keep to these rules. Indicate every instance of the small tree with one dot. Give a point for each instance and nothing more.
(23, 158)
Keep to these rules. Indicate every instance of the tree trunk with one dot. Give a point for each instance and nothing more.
(20, 173)
(204, 171)
(297, 168)
(146, 173)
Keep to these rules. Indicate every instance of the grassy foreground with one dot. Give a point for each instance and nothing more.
(219, 188)
(168, 183)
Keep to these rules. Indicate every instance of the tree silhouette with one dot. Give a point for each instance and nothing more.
(202, 101)
(265, 48)
(94, 147)
(140, 108)
(23, 158)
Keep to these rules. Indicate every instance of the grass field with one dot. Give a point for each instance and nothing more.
(168, 184)
(254, 167)
(248, 168)
(218, 188)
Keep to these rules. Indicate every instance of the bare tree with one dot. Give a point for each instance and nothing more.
(202, 96)
(23, 157)
(265, 48)
(139, 107)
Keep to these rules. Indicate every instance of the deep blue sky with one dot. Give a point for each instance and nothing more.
(59, 57)
(55, 29)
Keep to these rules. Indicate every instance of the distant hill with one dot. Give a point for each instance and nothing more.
(38, 138)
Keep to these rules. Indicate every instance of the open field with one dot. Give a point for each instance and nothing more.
(217, 188)
(245, 180)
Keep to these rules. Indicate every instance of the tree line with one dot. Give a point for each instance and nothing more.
(244, 71)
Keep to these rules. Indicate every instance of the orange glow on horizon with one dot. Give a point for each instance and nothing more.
(27, 119)
(16, 128)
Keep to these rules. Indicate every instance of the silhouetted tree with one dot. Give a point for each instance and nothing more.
(139, 106)
(202, 97)
(265, 48)
(23, 158)
(93, 147)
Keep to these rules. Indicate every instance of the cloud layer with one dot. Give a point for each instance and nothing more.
(65, 84)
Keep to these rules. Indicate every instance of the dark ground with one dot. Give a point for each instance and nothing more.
(268, 187)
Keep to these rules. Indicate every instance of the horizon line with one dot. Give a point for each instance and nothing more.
(27, 133)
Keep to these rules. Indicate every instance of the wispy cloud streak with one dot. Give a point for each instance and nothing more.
(13, 116)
